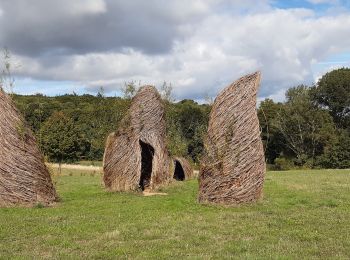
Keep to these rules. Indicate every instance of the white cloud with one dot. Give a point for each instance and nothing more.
(78, 7)
(324, 1)
(212, 51)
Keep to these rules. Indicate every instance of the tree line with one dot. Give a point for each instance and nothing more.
(310, 129)
(74, 127)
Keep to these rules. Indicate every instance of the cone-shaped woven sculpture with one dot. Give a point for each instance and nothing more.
(136, 156)
(182, 169)
(233, 169)
(24, 178)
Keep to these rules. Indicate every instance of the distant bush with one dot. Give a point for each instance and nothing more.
(283, 164)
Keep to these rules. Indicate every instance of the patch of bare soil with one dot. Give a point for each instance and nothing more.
(147, 193)
(75, 167)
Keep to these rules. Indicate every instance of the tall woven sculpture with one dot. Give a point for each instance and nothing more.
(233, 169)
(24, 178)
(182, 169)
(136, 156)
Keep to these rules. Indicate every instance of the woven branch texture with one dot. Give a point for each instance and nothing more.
(144, 125)
(233, 169)
(24, 178)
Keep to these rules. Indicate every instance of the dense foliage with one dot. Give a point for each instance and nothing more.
(72, 127)
(333, 92)
(310, 129)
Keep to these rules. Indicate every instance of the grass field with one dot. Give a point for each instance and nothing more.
(89, 163)
(303, 215)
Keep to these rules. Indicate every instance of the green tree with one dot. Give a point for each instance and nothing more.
(166, 92)
(186, 126)
(129, 89)
(306, 128)
(273, 140)
(192, 120)
(59, 139)
(333, 91)
(190, 116)
(337, 155)
(176, 143)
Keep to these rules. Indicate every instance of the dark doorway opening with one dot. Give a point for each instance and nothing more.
(147, 152)
(179, 173)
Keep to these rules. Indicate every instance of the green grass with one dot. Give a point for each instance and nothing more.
(88, 163)
(303, 215)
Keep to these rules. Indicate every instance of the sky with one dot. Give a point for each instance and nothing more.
(61, 46)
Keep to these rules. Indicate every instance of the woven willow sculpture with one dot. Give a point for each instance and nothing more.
(182, 169)
(24, 178)
(233, 169)
(136, 156)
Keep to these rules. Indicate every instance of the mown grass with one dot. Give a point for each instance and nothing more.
(90, 163)
(303, 215)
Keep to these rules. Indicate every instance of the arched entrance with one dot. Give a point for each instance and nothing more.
(179, 173)
(147, 153)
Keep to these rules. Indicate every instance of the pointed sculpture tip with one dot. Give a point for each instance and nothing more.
(147, 88)
(255, 77)
(257, 74)
(252, 76)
